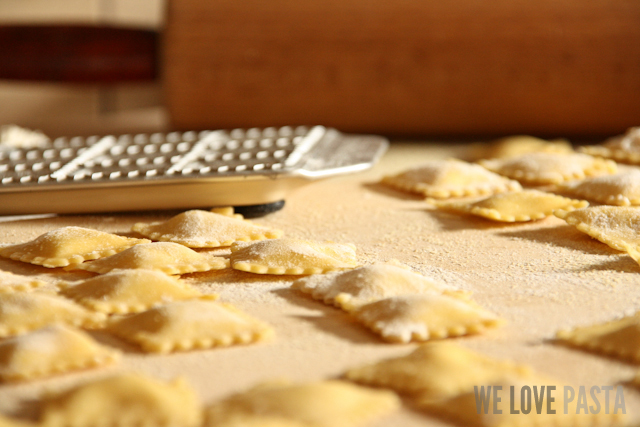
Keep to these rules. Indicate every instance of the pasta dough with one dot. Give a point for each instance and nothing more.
(167, 257)
(624, 148)
(24, 312)
(621, 189)
(50, 351)
(68, 246)
(10, 282)
(520, 206)
(450, 178)
(126, 400)
(291, 256)
(367, 284)
(517, 145)
(127, 291)
(189, 325)
(423, 317)
(618, 227)
(330, 403)
(619, 338)
(202, 229)
(550, 168)
(436, 370)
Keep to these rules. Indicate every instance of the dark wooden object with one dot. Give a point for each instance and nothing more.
(79, 54)
(411, 67)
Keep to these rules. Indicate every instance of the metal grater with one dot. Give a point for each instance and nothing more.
(177, 170)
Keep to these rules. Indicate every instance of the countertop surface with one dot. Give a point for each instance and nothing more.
(540, 277)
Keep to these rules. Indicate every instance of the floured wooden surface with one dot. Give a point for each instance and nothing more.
(540, 277)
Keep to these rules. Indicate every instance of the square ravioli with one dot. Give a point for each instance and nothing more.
(24, 312)
(128, 291)
(549, 168)
(517, 145)
(620, 189)
(443, 179)
(623, 148)
(351, 288)
(422, 317)
(331, 403)
(52, 350)
(618, 338)
(436, 370)
(202, 229)
(68, 246)
(125, 400)
(292, 256)
(616, 226)
(10, 282)
(167, 257)
(190, 325)
(519, 206)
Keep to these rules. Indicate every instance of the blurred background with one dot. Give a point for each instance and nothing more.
(403, 68)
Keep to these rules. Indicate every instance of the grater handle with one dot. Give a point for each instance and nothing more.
(337, 153)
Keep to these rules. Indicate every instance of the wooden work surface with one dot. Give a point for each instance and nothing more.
(539, 276)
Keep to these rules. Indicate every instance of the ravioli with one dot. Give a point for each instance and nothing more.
(126, 400)
(423, 317)
(68, 246)
(618, 338)
(128, 291)
(292, 256)
(10, 282)
(443, 179)
(24, 312)
(190, 325)
(331, 403)
(517, 145)
(620, 189)
(348, 289)
(520, 206)
(167, 257)
(616, 226)
(436, 370)
(52, 350)
(623, 148)
(550, 168)
(202, 229)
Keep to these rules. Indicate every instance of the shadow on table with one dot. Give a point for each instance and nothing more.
(563, 236)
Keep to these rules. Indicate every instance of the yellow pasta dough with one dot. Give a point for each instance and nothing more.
(616, 226)
(126, 400)
(517, 145)
(436, 370)
(550, 168)
(520, 206)
(23, 312)
(450, 178)
(68, 246)
(619, 338)
(50, 351)
(167, 257)
(202, 229)
(623, 148)
(292, 256)
(128, 291)
(621, 189)
(331, 403)
(366, 284)
(190, 325)
(10, 282)
(421, 317)
(11, 422)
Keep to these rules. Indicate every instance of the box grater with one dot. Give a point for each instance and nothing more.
(177, 170)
